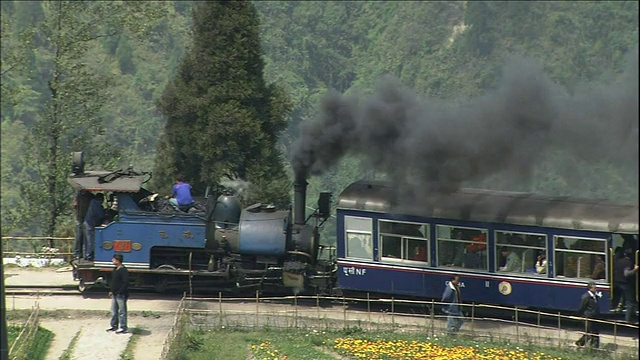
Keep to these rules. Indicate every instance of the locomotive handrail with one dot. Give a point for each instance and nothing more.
(164, 215)
(579, 266)
(611, 273)
(636, 276)
(295, 252)
(35, 238)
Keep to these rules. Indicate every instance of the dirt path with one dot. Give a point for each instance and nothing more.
(96, 344)
(93, 342)
(67, 315)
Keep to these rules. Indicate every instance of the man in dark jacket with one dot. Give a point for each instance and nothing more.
(451, 296)
(625, 277)
(590, 310)
(93, 218)
(119, 296)
(619, 279)
(81, 205)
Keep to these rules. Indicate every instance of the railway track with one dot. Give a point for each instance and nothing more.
(72, 290)
(41, 290)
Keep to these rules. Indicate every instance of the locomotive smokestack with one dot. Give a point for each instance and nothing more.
(300, 198)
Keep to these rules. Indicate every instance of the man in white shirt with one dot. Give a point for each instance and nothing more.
(513, 263)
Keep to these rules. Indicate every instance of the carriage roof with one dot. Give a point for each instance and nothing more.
(497, 207)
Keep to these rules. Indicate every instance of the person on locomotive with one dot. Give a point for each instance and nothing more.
(452, 297)
(81, 205)
(590, 310)
(541, 263)
(628, 285)
(513, 262)
(475, 252)
(618, 300)
(599, 268)
(94, 217)
(111, 213)
(181, 195)
(419, 253)
(119, 295)
(452, 253)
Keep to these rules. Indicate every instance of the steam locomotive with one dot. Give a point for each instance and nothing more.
(219, 246)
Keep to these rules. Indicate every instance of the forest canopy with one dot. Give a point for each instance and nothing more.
(110, 81)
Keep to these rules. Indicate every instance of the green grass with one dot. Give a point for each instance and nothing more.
(136, 332)
(37, 348)
(12, 332)
(66, 354)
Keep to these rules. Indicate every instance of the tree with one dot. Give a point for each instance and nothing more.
(71, 94)
(16, 37)
(223, 120)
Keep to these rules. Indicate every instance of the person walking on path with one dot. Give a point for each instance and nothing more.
(451, 296)
(589, 310)
(119, 296)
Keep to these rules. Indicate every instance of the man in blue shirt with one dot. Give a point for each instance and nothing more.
(94, 217)
(181, 194)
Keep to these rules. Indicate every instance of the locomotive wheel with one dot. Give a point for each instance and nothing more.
(82, 287)
(166, 267)
(161, 285)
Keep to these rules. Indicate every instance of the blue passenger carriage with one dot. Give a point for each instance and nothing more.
(492, 239)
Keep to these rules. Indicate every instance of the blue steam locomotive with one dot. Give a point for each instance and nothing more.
(218, 246)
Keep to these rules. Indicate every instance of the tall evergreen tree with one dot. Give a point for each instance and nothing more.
(223, 120)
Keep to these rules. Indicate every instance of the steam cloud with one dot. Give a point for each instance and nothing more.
(238, 185)
(431, 144)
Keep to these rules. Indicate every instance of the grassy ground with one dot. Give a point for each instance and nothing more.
(12, 332)
(37, 348)
(234, 345)
(66, 354)
(296, 344)
(136, 332)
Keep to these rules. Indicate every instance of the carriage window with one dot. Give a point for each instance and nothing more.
(521, 252)
(404, 241)
(580, 258)
(462, 247)
(358, 236)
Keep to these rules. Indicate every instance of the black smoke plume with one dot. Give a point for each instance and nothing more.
(431, 144)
